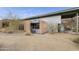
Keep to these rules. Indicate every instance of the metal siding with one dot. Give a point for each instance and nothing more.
(53, 20)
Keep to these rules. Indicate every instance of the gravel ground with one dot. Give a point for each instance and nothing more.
(37, 42)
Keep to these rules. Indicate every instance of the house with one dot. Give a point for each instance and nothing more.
(60, 21)
(11, 25)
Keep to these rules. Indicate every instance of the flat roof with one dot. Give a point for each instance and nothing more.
(73, 10)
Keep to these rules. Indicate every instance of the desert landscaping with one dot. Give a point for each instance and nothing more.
(37, 42)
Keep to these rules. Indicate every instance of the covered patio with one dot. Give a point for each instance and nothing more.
(70, 20)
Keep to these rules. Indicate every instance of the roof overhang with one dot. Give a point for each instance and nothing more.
(62, 12)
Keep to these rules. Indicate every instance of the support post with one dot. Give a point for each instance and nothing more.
(77, 26)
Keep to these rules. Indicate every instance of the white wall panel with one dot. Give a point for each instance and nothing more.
(53, 19)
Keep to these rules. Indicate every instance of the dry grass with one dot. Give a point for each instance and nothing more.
(76, 40)
(37, 42)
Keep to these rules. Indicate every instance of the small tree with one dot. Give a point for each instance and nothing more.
(14, 25)
(13, 21)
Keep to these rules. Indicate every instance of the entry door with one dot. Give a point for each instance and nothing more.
(35, 27)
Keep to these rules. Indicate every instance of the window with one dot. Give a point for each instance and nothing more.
(5, 24)
(35, 25)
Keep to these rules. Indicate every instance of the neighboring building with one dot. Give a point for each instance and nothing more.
(62, 21)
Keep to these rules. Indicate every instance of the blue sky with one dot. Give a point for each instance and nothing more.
(24, 12)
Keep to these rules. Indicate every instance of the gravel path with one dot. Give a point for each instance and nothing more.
(37, 42)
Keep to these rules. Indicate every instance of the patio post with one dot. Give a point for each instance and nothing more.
(77, 23)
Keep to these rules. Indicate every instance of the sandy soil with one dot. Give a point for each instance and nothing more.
(37, 42)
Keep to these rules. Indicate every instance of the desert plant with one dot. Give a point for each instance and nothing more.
(13, 21)
(52, 28)
(14, 25)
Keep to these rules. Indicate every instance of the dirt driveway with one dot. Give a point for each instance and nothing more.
(37, 42)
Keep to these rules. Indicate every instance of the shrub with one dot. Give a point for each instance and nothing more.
(53, 28)
(50, 28)
(14, 25)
